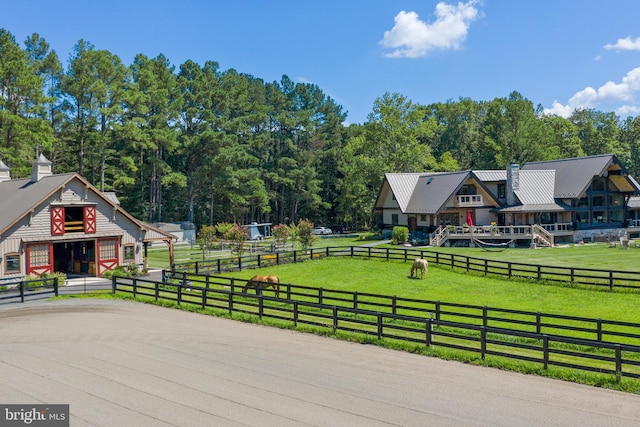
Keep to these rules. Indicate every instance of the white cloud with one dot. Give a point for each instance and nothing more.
(609, 92)
(625, 44)
(410, 37)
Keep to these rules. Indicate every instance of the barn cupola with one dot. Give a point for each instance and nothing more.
(41, 168)
(4, 172)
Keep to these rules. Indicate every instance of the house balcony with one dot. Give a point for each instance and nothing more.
(469, 201)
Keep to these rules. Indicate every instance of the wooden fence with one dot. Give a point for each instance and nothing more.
(595, 345)
(582, 276)
(29, 289)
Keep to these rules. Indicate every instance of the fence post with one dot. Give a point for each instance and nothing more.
(379, 325)
(467, 264)
(277, 258)
(260, 305)
(157, 290)
(231, 292)
(113, 284)
(179, 292)
(610, 280)
(351, 251)
(219, 266)
(509, 270)
(288, 285)
(295, 313)
(618, 363)
(486, 267)
(22, 284)
(204, 298)
(572, 275)
(295, 256)
(369, 252)
(55, 286)
(327, 251)
(387, 254)
(197, 267)
(240, 262)
(394, 305)
(538, 323)
(485, 317)
(311, 254)
(545, 351)
(483, 342)
(355, 300)
(428, 327)
(539, 272)
(599, 327)
(135, 287)
(319, 295)
(335, 318)
(259, 261)
(437, 310)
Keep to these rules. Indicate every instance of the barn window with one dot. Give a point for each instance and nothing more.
(39, 255)
(108, 249)
(12, 263)
(129, 253)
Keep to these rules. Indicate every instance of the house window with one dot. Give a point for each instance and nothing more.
(616, 215)
(599, 184)
(502, 191)
(583, 202)
(467, 189)
(600, 217)
(616, 200)
(108, 249)
(39, 255)
(423, 217)
(129, 253)
(394, 219)
(598, 201)
(12, 263)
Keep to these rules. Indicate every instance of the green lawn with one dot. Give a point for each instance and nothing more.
(392, 278)
(598, 256)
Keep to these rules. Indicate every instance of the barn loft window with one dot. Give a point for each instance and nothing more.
(73, 219)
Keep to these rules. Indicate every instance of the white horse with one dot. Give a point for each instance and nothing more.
(420, 265)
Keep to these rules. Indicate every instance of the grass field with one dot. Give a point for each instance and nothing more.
(443, 284)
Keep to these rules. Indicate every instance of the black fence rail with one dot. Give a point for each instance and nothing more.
(611, 279)
(538, 338)
(28, 290)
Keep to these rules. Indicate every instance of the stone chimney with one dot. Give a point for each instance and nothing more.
(41, 168)
(4, 172)
(513, 183)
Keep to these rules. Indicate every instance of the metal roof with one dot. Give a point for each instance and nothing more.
(433, 190)
(491, 175)
(574, 176)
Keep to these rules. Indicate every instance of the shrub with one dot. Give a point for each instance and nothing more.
(237, 236)
(400, 235)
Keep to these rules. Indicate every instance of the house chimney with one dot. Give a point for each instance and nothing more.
(4, 172)
(41, 168)
(513, 183)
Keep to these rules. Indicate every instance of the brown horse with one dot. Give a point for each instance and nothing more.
(420, 265)
(261, 282)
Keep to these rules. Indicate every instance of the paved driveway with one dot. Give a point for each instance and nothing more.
(120, 363)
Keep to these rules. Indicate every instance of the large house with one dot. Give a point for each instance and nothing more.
(61, 223)
(544, 203)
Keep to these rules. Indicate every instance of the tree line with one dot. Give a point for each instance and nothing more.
(200, 144)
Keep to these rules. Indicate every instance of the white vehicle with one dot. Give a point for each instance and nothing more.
(321, 230)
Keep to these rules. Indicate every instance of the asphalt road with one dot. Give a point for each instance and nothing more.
(120, 363)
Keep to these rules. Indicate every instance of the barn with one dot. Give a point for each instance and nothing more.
(61, 223)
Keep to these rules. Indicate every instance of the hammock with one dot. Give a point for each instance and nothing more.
(497, 247)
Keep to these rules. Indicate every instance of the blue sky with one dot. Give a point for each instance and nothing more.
(561, 54)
